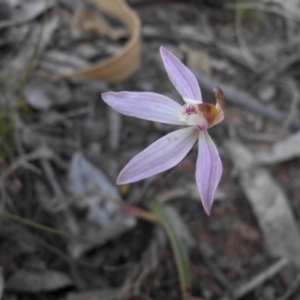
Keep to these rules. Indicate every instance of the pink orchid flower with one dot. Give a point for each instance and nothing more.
(169, 150)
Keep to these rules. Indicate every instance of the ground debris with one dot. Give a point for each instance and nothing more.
(103, 294)
(269, 204)
(30, 281)
(62, 148)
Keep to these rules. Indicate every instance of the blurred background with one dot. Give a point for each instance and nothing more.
(67, 231)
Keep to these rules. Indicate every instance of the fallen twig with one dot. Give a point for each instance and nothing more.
(217, 273)
(295, 99)
(241, 39)
(291, 290)
(257, 280)
(280, 68)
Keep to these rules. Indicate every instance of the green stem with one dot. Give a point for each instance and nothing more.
(181, 256)
(39, 226)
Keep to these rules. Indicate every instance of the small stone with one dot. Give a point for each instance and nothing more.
(266, 92)
(219, 64)
(269, 292)
(94, 149)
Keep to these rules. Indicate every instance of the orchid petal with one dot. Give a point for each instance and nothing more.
(144, 105)
(208, 170)
(191, 101)
(182, 78)
(160, 156)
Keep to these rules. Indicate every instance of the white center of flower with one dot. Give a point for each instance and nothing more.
(186, 112)
(189, 115)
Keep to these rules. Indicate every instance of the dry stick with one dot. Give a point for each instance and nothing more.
(11, 172)
(58, 192)
(291, 290)
(240, 37)
(257, 280)
(274, 72)
(219, 275)
(150, 254)
(295, 95)
(24, 160)
(24, 79)
(243, 99)
(71, 262)
(51, 177)
(290, 15)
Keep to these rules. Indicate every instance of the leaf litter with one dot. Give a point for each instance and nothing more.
(66, 150)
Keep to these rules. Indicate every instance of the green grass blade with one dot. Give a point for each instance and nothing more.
(180, 254)
(27, 222)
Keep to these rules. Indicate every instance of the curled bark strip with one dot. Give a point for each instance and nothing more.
(121, 66)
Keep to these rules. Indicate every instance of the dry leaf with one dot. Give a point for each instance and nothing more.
(95, 24)
(27, 11)
(41, 35)
(281, 151)
(121, 66)
(103, 294)
(99, 196)
(32, 281)
(42, 95)
(84, 181)
(84, 178)
(99, 236)
(291, 7)
(269, 204)
(197, 60)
